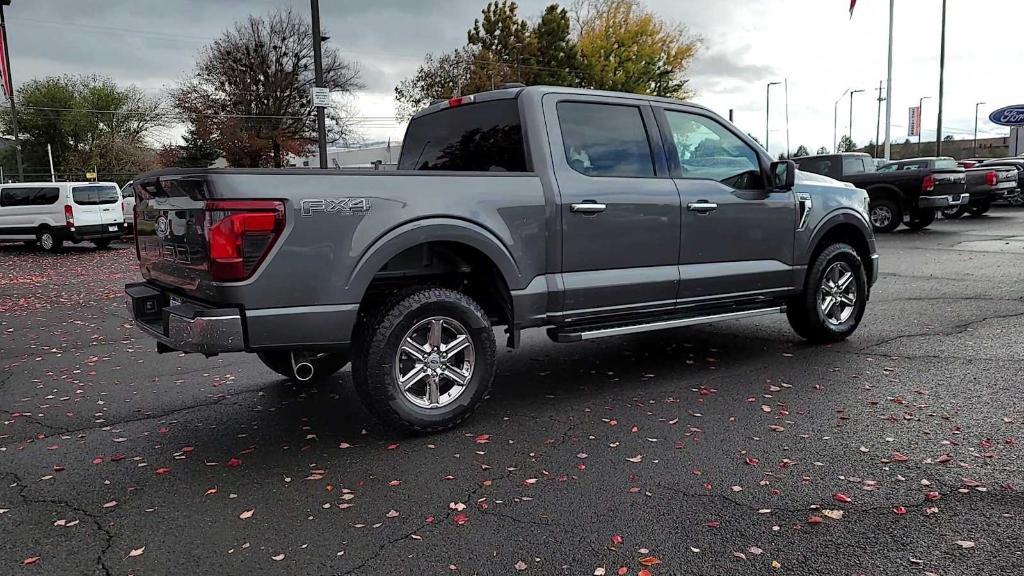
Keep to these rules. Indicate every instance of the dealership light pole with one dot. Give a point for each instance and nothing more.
(976, 106)
(920, 121)
(942, 82)
(852, 92)
(318, 65)
(767, 111)
(888, 88)
(879, 119)
(835, 121)
(10, 85)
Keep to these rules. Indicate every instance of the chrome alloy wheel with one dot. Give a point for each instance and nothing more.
(434, 363)
(46, 240)
(881, 216)
(837, 297)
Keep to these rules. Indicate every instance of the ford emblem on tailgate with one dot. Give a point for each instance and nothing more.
(162, 227)
(1009, 116)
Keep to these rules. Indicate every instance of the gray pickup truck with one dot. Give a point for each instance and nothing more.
(591, 213)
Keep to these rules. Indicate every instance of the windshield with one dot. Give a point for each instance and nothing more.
(945, 163)
(484, 137)
(93, 195)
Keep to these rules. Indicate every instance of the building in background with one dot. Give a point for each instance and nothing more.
(959, 149)
(369, 157)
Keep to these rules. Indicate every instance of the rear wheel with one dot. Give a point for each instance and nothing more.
(954, 212)
(102, 244)
(424, 361)
(980, 208)
(834, 297)
(48, 240)
(324, 365)
(921, 218)
(885, 215)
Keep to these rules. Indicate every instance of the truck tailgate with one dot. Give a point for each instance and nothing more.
(171, 234)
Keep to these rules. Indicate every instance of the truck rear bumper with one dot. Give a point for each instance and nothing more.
(97, 232)
(184, 326)
(943, 201)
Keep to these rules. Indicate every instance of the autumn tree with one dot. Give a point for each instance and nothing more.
(801, 151)
(625, 47)
(251, 90)
(438, 78)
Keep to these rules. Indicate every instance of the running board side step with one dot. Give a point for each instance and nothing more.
(581, 334)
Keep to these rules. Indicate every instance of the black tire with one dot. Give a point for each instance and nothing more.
(886, 215)
(954, 212)
(921, 218)
(979, 208)
(1016, 199)
(48, 240)
(324, 365)
(102, 244)
(805, 311)
(376, 354)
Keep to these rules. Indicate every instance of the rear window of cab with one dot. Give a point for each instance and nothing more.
(478, 137)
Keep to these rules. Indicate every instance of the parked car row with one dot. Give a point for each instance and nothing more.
(52, 213)
(912, 191)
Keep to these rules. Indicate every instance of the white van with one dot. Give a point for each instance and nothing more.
(58, 212)
(128, 205)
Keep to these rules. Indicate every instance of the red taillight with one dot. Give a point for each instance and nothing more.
(992, 178)
(453, 102)
(69, 215)
(239, 235)
(929, 183)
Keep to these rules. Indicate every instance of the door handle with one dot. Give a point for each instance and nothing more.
(588, 208)
(703, 207)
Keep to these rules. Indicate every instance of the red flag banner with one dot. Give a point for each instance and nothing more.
(853, 4)
(5, 74)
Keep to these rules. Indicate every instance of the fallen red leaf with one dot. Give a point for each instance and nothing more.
(162, 471)
(616, 539)
(714, 524)
(899, 510)
(900, 457)
(650, 561)
(840, 497)
(460, 519)
(234, 463)
(644, 572)
(30, 560)
(391, 446)
(933, 496)
(814, 520)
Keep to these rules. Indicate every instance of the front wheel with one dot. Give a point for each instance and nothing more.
(921, 218)
(834, 297)
(954, 212)
(885, 215)
(424, 361)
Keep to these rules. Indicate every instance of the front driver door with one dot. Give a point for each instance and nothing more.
(619, 208)
(737, 234)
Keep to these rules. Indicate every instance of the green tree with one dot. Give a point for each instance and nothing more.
(625, 47)
(801, 151)
(846, 144)
(821, 150)
(88, 121)
(500, 41)
(552, 55)
(198, 151)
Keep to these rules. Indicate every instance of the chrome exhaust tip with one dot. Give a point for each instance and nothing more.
(303, 371)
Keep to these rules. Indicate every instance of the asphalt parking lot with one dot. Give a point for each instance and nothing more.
(733, 448)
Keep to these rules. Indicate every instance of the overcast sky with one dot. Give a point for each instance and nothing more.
(747, 43)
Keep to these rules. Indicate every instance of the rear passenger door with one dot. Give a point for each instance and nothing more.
(619, 210)
(737, 233)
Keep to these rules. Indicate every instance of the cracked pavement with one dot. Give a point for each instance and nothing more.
(713, 449)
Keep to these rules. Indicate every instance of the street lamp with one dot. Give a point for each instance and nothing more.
(976, 106)
(835, 120)
(852, 92)
(767, 110)
(920, 128)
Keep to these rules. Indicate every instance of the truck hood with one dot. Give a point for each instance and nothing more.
(817, 179)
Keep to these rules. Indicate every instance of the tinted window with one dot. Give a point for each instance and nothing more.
(605, 140)
(821, 166)
(889, 168)
(854, 165)
(92, 195)
(29, 196)
(944, 163)
(484, 137)
(708, 151)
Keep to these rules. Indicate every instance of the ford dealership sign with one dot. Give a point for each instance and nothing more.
(1009, 116)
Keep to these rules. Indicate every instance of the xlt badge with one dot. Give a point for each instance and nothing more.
(335, 205)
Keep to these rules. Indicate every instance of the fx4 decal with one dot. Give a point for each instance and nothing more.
(335, 205)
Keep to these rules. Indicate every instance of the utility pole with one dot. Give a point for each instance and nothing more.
(10, 86)
(767, 112)
(788, 149)
(852, 92)
(942, 82)
(920, 129)
(318, 65)
(976, 106)
(879, 119)
(888, 87)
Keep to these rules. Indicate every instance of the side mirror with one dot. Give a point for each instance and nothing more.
(783, 175)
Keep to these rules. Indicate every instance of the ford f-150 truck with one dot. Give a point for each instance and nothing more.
(908, 195)
(593, 214)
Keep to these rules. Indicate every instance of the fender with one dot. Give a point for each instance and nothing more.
(419, 232)
(837, 217)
